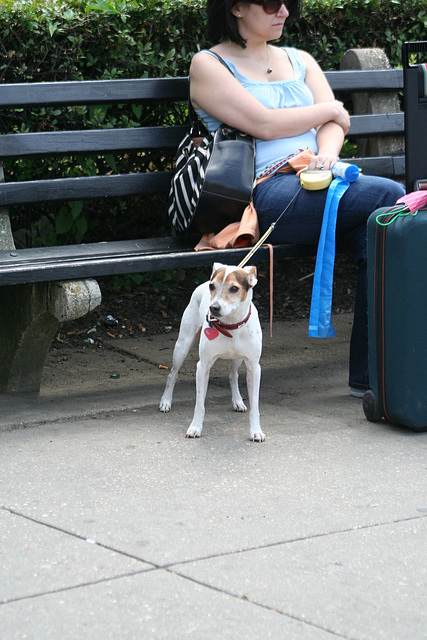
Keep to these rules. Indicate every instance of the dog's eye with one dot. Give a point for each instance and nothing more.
(234, 289)
(211, 287)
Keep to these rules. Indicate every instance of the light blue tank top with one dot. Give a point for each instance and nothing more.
(278, 94)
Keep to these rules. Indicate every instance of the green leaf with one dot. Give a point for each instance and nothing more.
(109, 159)
(76, 208)
(105, 6)
(81, 228)
(53, 27)
(137, 110)
(64, 220)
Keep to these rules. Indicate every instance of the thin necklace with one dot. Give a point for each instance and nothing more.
(269, 69)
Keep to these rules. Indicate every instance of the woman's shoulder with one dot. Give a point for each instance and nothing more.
(302, 60)
(200, 58)
(207, 53)
(304, 56)
(202, 61)
(298, 53)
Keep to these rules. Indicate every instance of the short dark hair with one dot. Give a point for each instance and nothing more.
(222, 24)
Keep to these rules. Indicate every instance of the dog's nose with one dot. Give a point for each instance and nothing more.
(215, 308)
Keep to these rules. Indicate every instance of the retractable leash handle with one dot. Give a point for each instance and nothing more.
(320, 325)
(313, 181)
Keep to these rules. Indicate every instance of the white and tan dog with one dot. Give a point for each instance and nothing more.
(222, 313)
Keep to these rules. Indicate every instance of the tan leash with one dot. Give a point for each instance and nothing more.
(257, 246)
(267, 233)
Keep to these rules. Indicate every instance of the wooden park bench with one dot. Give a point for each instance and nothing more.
(42, 286)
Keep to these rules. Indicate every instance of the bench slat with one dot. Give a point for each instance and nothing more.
(46, 94)
(377, 124)
(384, 166)
(64, 189)
(375, 79)
(141, 89)
(91, 187)
(101, 259)
(140, 138)
(19, 145)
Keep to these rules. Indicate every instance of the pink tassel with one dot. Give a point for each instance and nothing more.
(414, 201)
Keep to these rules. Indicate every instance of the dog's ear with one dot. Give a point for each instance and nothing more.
(216, 266)
(251, 272)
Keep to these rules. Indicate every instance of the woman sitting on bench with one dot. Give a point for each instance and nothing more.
(281, 96)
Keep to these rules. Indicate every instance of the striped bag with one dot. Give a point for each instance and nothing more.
(191, 161)
(213, 181)
(214, 177)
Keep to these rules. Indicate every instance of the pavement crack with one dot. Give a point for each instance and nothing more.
(78, 536)
(261, 605)
(279, 543)
(172, 568)
(151, 566)
(73, 587)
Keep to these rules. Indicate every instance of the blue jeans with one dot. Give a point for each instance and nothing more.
(301, 224)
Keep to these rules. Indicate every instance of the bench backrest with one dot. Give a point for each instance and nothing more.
(149, 90)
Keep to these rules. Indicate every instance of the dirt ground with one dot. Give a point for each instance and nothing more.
(156, 305)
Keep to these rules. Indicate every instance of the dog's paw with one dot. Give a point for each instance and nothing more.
(193, 432)
(165, 405)
(239, 405)
(258, 436)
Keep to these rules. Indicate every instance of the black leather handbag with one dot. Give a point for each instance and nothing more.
(214, 180)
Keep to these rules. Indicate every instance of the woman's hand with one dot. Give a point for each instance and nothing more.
(342, 117)
(322, 161)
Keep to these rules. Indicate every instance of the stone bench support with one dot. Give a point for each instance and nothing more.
(371, 103)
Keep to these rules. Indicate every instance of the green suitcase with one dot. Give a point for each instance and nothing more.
(397, 319)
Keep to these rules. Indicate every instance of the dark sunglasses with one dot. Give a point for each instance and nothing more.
(269, 6)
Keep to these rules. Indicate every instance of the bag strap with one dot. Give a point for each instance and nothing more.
(197, 126)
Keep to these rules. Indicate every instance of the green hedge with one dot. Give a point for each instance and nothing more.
(330, 27)
(51, 40)
(58, 40)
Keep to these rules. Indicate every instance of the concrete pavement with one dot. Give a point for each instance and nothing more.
(113, 525)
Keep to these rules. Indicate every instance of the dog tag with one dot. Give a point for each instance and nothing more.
(211, 333)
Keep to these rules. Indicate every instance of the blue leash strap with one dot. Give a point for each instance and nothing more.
(320, 324)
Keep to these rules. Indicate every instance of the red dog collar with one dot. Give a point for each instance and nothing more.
(216, 326)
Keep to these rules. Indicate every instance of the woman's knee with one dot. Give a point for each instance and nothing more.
(394, 192)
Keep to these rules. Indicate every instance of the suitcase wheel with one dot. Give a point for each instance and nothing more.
(370, 407)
